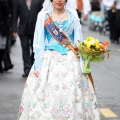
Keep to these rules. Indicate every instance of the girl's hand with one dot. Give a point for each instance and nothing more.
(37, 73)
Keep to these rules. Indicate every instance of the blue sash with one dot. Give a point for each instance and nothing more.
(59, 36)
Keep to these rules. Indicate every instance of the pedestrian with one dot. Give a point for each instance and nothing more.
(12, 39)
(56, 88)
(118, 20)
(111, 14)
(83, 6)
(26, 11)
(7, 59)
(4, 29)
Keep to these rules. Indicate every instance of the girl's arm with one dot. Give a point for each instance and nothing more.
(39, 43)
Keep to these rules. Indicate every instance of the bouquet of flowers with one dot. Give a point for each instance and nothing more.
(92, 50)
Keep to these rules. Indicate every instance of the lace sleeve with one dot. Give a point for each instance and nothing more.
(39, 42)
(78, 36)
(77, 32)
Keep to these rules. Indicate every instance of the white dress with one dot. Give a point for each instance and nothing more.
(61, 92)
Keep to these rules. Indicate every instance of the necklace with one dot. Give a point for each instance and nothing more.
(60, 21)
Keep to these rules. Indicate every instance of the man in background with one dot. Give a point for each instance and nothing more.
(7, 60)
(26, 11)
(118, 20)
(111, 13)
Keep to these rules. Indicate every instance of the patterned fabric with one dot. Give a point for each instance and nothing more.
(53, 44)
(68, 27)
(61, 92)
(40, 40)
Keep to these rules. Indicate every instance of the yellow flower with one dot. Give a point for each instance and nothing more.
(97, 40)
(90, 38)
(87, 43)
(97, 46)
(92, 43)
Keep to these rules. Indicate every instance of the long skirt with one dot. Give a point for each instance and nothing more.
(61, 92)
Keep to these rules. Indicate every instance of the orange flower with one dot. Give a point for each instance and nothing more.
(103, 45)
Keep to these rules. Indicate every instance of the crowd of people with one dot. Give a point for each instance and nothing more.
(18, 17)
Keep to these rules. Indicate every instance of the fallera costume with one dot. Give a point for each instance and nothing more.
(62, 91)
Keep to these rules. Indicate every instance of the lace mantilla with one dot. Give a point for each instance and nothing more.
(40, 41)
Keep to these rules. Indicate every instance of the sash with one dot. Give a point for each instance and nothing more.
(59, 36)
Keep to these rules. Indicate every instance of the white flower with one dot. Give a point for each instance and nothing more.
(92, 42)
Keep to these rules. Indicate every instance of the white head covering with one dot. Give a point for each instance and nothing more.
(71, 5)
(39, 41)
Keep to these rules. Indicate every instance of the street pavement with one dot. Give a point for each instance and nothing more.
(106, 77)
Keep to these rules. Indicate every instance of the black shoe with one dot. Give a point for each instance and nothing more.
(9, 67)
(25, 75)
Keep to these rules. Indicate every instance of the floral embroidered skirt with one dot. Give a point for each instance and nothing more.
(61, 92)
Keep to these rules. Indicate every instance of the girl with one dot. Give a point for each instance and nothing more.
(56, 88)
